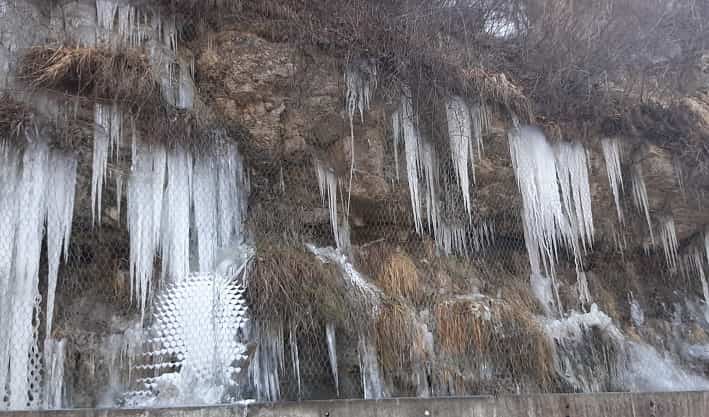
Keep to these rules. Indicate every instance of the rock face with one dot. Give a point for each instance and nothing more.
(291, 102)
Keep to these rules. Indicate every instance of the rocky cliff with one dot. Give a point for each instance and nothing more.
(408, 233)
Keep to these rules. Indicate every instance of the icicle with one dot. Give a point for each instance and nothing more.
(411, 148)
(668, 239)
(372, 383)
(429, 162)
(268, 361)
(54, 351)
(106, 13)
(204, 203)
(582, 288)
(31, 190)
(636, 312)
(460, 132)
(295, 357)
(396, 130)
(9, 201)
(175, 235)
(611, 154)
(640, 197)
(327, 183)
(146, 187)
(107, 134)
(359, 84)
(481, 123)
(572, 167)
(60, 211)
(543, 216)
(185, 88)
(232, 188)
(332, 354)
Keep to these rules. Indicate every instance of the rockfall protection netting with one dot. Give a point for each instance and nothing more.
(149, 257)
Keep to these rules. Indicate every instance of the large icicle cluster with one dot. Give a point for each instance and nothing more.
(171, 196)
(466, 124)
(555, 195)
(572, 172)
(36, 188)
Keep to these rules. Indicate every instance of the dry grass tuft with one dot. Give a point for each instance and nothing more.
(14, 118)
(400, 342)
(104, 74)
(289, 284)
(482, 332)
(399, 278)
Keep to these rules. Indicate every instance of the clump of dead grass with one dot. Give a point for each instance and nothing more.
(14, 118)
(399, 278)
(473, 332)
(400, 342)
(289, 284)
(104, 74)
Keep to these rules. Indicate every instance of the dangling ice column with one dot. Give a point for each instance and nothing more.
(53, 394)
(332, 354)
(268, 363)
(465, 129)
(60, 211)
(544, 220)
(327, 183)
(611, 155)
(575, 189)
(360, 82)
(172, 196)
(372, 381)
(404, 119)
(640, 197)
(108, 121)
(146, 187)
(33, 182)
(668, 239)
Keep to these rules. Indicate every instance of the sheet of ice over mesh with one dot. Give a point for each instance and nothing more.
(196, 334)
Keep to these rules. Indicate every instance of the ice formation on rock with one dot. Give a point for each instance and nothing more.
(582, 288)
(360, 82)
(175, 233)
(544, 220)
(331, 338)
(612, 155)
(372, 381)
(637, 315)
(36, 188)
(410, 134)
(358, 285)
(465, 129)
(107, 136)
(640, 197)
(198, 320)
(327, 183)
(572, 172)
(269, 360)
(668, 240)
(172, 196)
(294, 355)
(54, 351)
(460, 136)
(60, 211)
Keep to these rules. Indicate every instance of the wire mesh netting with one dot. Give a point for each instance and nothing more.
(195, 214)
